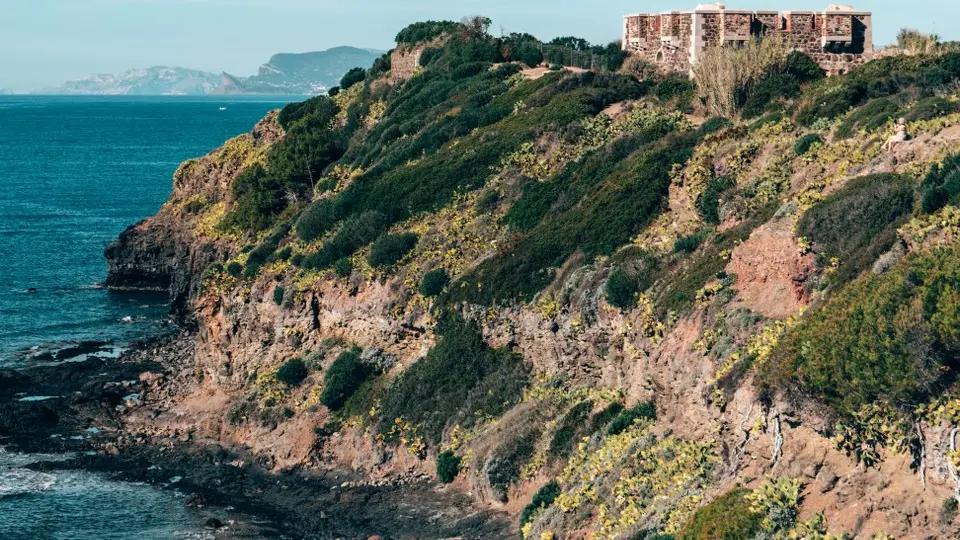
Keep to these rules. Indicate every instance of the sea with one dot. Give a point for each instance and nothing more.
(74, 173)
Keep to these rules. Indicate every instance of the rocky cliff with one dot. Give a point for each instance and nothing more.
(628, 311)
(171, 250)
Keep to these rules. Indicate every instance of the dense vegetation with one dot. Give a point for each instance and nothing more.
(448, 466)
(293, 372)
(728, 517)
(891, 338)
(343, 378)
(543, 498)
(881, 78)
(459, 380)
(859, 222)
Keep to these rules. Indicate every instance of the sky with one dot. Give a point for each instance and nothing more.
(46, 42)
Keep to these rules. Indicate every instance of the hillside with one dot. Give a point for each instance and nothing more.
(581, 296)
(303, 74)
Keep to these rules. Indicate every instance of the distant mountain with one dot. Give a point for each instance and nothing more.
(302, 74)
(297, 74)
(5, 92)
(157, 80)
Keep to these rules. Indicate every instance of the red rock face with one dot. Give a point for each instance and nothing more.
(771, 272)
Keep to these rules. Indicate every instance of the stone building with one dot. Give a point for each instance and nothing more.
(839, 38)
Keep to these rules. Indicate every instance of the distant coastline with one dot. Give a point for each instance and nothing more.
(311, 73)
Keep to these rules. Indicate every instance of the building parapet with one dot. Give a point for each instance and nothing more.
(838, 38)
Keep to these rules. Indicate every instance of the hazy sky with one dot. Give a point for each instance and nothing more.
(45, 42)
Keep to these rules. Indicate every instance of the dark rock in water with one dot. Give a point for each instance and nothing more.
(195, 500)
(27, 417)
(32, 290)
(12, 380)
(213, 523)
(84, 347)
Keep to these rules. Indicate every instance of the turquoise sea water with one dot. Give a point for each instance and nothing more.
(74, 172)
(76, 505)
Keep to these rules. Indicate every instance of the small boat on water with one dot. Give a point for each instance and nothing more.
(223, 108)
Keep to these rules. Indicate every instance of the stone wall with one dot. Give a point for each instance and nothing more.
(404, 63)
(838, 39)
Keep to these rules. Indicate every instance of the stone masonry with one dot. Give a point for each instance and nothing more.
(839, 38)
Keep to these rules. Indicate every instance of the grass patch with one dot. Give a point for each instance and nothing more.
(573, 424)
(642, 410)
(892, 338)
(459, 380)
(728, 517)
(859, 222)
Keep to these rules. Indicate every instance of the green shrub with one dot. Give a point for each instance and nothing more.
(265, 251)
(767, 91)
(240, 411)
(676, 86)
(390, 248)
(283, 255)
(234, 268)
(345, 376)
(603, 418)
(426, 31)
(929, 108)
(278, 295)
(804, 68)
(316, 220)
(783, 81)
(543, 498)
(713, 124)
(941, 186)
(803, 144)
(708, 205)
(343, 267)
(293, 372)
(871, 116)
(772, 118)
(448, 466)
(459, 380)
(433, 282)
(352, 77)
(948, 510)
(642, 410)
(506, 463)
(573, 424)
(884, 339)
(355, 232)
(858, 222)
(621, 289)
(728, 517)
(687, 244)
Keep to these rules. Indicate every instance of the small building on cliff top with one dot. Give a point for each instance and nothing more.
(839, 38)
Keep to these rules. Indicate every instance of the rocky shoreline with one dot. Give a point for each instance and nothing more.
(86, 408)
